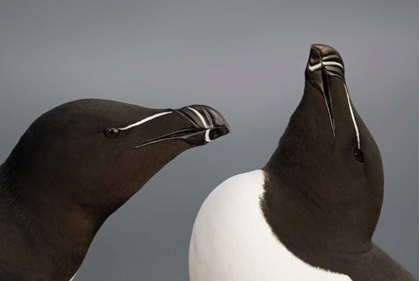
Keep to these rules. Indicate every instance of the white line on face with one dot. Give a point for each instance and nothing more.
(145, 120)
(352, 117)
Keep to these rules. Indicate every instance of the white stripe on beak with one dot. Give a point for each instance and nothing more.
(332, 63)
(314, 67)
(199, 116)
(207, 134)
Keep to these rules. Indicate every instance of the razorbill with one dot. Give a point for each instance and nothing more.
(75, 166)
(310, 213)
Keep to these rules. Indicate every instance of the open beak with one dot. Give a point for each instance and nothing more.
(323, 63)
(206, 125)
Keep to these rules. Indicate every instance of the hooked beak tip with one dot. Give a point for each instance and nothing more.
(324, 59)
(206, 118)
(324, 62)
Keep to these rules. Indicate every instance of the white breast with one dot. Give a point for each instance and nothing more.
(231, 241)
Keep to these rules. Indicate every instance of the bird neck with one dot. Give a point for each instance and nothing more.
(304, 222)
(55, 232)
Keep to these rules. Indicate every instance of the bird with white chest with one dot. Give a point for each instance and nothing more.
(311, 211)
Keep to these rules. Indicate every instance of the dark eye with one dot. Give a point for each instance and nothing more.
(358, 155)
(111, 133)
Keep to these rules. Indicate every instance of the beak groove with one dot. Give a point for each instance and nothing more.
(324, 62)
(207, 125)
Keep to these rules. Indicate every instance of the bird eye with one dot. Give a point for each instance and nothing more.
(111, 133)
(358, 155)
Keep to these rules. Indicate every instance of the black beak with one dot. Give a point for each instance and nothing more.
(206, 125)
(323, 63)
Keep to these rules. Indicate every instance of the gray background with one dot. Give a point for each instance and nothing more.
(245, 58)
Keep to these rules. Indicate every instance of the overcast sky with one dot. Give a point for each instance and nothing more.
(244, 58)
